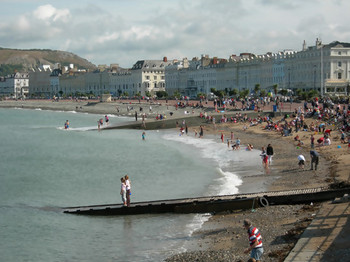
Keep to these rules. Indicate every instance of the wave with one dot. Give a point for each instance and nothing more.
(223, 158)
(84, 128)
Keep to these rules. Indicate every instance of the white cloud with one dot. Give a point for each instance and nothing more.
(125, 31)
(50, 13)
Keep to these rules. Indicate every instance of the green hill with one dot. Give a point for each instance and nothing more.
(26, 59)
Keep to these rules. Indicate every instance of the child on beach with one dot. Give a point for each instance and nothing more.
(264, 158)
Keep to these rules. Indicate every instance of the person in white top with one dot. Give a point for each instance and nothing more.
(128, 189)
(301, 159)
(123, 190)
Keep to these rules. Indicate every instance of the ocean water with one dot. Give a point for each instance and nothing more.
(45, 168)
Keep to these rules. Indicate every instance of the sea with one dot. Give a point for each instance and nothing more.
(45, 168)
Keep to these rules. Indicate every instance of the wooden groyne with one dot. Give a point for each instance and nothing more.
(213, 204)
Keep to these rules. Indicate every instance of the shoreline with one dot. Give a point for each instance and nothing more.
(222, 234)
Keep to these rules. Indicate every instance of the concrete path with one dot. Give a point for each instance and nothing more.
(327, 237)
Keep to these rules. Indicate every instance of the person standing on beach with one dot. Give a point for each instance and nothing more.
(314, 159)
(143, 136)
(238, 143)
(135, 116)
(264, 158)
(106, 119)
(201, 132)
(128, 189)
(312, 141)
(269, 152)
(123, 190)
(255, 241)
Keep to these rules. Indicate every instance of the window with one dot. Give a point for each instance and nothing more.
(339, 64)
(339, 53)
(155, 77)
(147, 77)
(339, 75)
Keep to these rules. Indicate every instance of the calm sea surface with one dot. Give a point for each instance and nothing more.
(44, 168)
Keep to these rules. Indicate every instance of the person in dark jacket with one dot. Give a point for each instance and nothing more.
(269, 152)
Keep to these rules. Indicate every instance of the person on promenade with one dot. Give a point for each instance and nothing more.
(123, 190)
(314, 159)
(255, 241)
(301, 163)
(128, 189)
(269, 152)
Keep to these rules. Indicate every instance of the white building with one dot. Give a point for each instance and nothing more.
(148, 76)
(323, 68)
(15, 85)
(39, 82)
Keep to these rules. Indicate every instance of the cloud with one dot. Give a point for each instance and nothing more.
(126, 31)
(49, 13)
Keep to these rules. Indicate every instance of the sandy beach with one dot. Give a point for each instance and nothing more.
(222, 238)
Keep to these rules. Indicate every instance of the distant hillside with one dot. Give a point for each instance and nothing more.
(25, 59)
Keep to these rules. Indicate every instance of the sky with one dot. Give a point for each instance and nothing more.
(125, 31)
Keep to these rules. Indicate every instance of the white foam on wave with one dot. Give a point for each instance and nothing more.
(197, 223)
(227, 181)
(84, 128)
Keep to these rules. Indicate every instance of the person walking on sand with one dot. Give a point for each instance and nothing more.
(255, 241)
(314, 159)
(269, 152)
(123, 190)
(128, 189)
(301, 163)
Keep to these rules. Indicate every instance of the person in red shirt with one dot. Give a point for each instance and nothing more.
(328, 132)
(255, 241)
